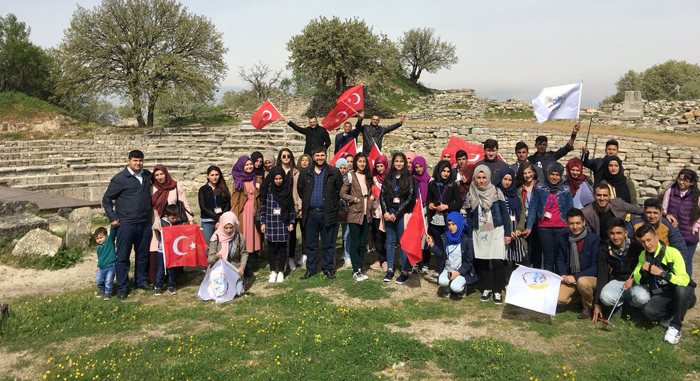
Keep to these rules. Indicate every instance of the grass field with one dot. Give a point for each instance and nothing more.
(321, 329)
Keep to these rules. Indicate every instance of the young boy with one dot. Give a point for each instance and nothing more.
(169, 218)
(106, 258)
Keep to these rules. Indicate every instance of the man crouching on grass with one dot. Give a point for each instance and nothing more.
(662, 269)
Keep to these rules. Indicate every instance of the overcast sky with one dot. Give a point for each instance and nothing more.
(506, 49)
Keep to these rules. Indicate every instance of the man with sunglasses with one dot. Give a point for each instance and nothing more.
(373, 133)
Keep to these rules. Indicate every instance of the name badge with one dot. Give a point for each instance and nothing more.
(397, 200)
(217, 210)
(547, 215)
(482, 219)
(276, 211)
(512, 218)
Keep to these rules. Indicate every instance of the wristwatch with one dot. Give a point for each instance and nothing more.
(662, 275)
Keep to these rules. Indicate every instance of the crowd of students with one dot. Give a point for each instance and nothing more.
(483, 219)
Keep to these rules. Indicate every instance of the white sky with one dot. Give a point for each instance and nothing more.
(507, 49)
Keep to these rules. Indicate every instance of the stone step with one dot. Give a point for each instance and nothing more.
(84, 178)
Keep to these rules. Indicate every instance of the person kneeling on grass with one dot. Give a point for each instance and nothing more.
(106, 258)
(170, 218)
(228, 243)
(459, 257)
(661, 269)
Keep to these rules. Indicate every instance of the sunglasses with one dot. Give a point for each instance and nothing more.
(285, 156)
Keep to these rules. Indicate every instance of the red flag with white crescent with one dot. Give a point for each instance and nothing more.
(353, 97)
(348, 149)
(414, 234)
(372, 156)
(337, 116)
(475, 152)
(183, 245)
(266, 114)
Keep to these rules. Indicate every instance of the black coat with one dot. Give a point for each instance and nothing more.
(132, 200)
(610, 268)
(207, 205)
(315, 137)
(407, 201)
(332, 182)
(452, 198)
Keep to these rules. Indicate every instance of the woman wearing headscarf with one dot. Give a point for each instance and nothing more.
(245, 202)
(614, 177)
(443, 198)
(551, 200)
(357, 191)
(164, 191)
(228, 244)
(459, 257)
(449, 155)
(303, 162)
(381, 166)
(574, 175)
(489, 223)
(277, 220)
(258, 164)
(419, 172)
(268, 162)
(410, 156)
(343, 166)
(516, 251)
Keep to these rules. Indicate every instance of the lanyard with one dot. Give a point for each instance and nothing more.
(215, 205)
(396, 188)
(549, 198)
(441, 193)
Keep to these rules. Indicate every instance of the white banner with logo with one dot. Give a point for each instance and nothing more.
(534, 289)
(221, 284)
(559, 102)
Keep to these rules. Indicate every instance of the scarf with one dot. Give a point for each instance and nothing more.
(421, 180)
(554, 167)
(619, 252)
(239, 175)
(380, 160)
(282, 193)
(254, 157)
(619, 181)
(410, 156)
(574, 263)
(456, 237)
(574, 184)
(224, 239)
(269, 155)
(451, 152)
(159, 199)
(511, 193)
(344, 162)
(466, 173)
(486, 196)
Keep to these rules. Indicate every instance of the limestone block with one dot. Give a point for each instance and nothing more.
(79, 224)
(38, 242)
(689, 116)
(652, 183)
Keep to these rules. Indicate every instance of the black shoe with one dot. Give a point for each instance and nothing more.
(306, 276)
(403, 278)
(100, 293)
(497, 298)
(444, 291)
(159, 291)
(172, 290)
(330, 275)
(389, 276)
(145, 287)
(108, 296)
(121, 295)
(248, 273)
(486, 296)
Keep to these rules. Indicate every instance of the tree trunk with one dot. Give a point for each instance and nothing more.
(136, 106)
(151, 110)
(415, 74)
(337, 83)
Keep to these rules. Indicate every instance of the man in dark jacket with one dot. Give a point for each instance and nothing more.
(316, 136)
(319, 188)
(653, 215)
(127, 203)
(576, 263)
(345, 137)
(603, 209)
(491, 159)
(596, 165)
(374, 133)
(542, 157)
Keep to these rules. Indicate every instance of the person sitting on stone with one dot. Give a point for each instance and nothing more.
(577, 264)
(373, 133)
(618, 256)
(603, 209)
(542, 157)
(491, 159)
(596, 165)
(653, 215)
(661, 269)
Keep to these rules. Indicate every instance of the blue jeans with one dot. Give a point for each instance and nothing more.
(637, 296)
(456, 285)
(315, 227)
(137, 236)
(346, 237)
(105, 278)
(552, 240)
(207, 230)
(160, 272)
(691, 247)
(394, 231)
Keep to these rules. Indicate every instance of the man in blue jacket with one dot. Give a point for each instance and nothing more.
(127, 203)
(577, 263)
(653, 215)
(345, 137)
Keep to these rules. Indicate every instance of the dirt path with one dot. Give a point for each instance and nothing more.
(19, 282)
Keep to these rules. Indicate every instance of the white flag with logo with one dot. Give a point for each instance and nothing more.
(221, 284)
(559, 102)
(534, 289)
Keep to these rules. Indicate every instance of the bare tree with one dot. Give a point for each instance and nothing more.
(261, 78)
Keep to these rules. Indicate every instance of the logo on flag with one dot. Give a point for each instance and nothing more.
(559, 102)
(348, 149)
(221, 284)
(337, 116)
(183, 245)
(266, 114)
(534, 289)
(353, 97)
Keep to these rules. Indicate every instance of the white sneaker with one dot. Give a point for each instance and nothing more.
(273, 277)
(291, 265)
(672, 336)
(357, 277)
(364, 276)
(348, 263)
(280, 277)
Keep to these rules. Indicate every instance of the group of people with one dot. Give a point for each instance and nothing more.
(483, 219)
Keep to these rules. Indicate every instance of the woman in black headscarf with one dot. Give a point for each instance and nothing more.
(614, 177)
(277, 220)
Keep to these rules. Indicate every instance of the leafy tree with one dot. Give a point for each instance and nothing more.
(24, 67)
(299, 83)
(261, 78)
(244, 100)
(630, 81)
(341, 52)
(141, 50)
(422, 50)
(671, 80)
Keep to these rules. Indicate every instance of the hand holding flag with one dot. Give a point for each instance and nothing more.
(183, 245)
(415, 232)
(337, 116)
(266, 114)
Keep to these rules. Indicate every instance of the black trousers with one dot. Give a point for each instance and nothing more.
(293, 240)
(492, 273)
(276, 255)
(674, 301)
(436, 233)
(379, 240)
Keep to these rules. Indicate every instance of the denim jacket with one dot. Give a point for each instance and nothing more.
(540, 194)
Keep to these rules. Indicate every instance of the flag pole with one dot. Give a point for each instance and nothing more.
(580, 94)
(273, 106)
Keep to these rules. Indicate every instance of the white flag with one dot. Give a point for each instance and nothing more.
(221, 284)
(560, 102)
(534, 289)
(584, 196)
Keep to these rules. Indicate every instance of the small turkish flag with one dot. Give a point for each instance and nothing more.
(337, 116)
(266, 114)
(348, 149)
(413, 236)
(374, 153)
(183, 245)
(353, 97)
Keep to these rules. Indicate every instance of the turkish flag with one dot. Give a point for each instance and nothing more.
(376, 191)
(475, 152)
(414, 234)
(348, 149)
(337, 116)
(353, 97)
(372, 156)
(266, 114)
(183, 245)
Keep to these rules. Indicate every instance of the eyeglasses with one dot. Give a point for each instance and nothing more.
(685, 180)
(285, 156)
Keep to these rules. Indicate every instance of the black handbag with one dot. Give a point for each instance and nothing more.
(182, 212)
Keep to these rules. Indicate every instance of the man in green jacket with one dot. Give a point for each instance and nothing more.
(661, 269)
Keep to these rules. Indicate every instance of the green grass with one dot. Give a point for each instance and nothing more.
(503, 114)
(18, 105)
(64, 258)
(395, 96)
(460, 106)
(210, 116)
